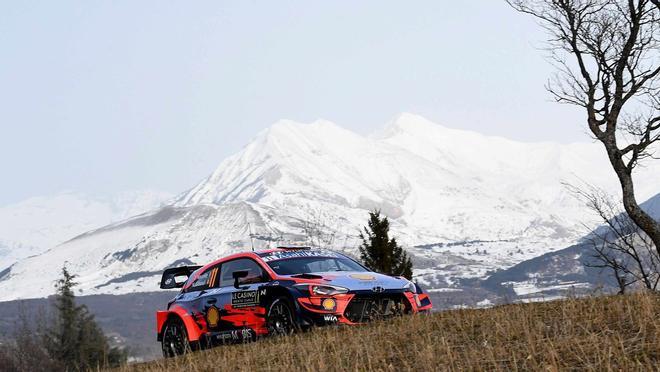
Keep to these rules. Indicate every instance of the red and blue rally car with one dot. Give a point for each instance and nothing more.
(277, 291)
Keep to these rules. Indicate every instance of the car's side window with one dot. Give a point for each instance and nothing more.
(207, 279)
(255, 273)
(201, 282)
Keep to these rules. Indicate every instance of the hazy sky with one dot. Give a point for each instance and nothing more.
(104, 96)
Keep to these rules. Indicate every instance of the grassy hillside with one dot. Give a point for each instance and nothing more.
(620, 332)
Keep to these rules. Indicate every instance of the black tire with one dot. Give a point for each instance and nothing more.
(279, 318)
(175, 339)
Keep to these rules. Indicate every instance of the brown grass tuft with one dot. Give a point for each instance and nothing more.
(605, 333)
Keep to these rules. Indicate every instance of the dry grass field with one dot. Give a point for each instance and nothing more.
(597, 334)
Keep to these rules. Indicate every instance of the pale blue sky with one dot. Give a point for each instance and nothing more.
(103, 96)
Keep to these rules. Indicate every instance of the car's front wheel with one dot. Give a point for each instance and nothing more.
(175, 339)
(280, 318)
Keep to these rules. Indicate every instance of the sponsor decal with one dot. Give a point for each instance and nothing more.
(245, 299)
(241, 334)
(363, 276)
(330, 318)
(294, 254)
(328, 304)
(214, 274)
(234, 335)
(212, 316)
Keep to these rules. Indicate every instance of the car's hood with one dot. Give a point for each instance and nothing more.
(359, 280)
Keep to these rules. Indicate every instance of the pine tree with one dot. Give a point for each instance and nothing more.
(75, 339)
(62, 339)
(380, 253)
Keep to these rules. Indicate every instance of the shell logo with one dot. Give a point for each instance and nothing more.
(363, 276)
(212, 317)
(329, 304)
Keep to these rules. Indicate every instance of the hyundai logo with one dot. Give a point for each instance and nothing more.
(377, 289)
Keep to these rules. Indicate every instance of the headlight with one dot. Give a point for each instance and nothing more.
(410, 287)
(321, 290)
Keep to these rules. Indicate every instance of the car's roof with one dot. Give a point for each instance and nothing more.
(260, 254)
(265, 255)
(285, 249)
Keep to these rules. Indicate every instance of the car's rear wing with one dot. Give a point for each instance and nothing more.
(175, 277)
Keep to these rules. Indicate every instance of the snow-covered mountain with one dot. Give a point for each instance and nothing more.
(560, 273)
(34, 225)
(463, 203)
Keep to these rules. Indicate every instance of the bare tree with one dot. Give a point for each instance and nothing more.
(607, 56)
(619, 245)
(317, 230)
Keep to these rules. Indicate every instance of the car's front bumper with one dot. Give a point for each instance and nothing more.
(361, 306)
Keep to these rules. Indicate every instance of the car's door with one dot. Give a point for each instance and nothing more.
(241, 304)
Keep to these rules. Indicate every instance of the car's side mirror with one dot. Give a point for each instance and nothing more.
(238, 275)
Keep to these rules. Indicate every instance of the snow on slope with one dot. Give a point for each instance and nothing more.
(464, 203)
(34, 225)
(562, 272)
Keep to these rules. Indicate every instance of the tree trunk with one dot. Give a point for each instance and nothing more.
(642, 219)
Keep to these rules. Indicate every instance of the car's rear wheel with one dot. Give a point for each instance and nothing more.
(175, 339)
(280, 318)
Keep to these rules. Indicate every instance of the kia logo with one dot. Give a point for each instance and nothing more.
(377, 289)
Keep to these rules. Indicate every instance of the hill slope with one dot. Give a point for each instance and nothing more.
(37, 224)
(606, 333)
(558, 273)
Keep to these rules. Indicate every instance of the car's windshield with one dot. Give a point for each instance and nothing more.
(308, 265)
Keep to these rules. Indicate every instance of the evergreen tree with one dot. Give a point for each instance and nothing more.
(380, 253)
(74, 339)
(61, 339)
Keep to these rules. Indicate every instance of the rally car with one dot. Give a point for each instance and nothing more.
(276, 292)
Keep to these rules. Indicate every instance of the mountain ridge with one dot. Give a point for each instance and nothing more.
(463, 203)
(39, 223)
